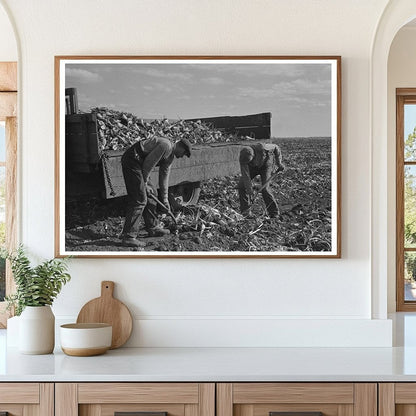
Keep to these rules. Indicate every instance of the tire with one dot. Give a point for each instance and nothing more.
(184, 194)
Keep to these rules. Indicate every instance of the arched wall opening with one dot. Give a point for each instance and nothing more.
(401, 74)
(396, 15)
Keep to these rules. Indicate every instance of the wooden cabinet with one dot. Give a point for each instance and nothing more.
(208, 399)
(297, 399)
(27, 399)
(107, 399)
(397, 399)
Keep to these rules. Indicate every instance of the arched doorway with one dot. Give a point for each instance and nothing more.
(396, 15)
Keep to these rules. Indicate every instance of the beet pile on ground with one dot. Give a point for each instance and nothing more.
(118, 130)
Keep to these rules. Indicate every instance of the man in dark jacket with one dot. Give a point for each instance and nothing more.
(137, 163)
(259, 159)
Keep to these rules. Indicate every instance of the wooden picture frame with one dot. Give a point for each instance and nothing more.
(8, 116)
(225, 107)
(405, 301)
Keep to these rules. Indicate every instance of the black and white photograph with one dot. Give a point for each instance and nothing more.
(198, 157)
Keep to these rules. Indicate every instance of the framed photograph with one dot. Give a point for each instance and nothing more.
(198, 156)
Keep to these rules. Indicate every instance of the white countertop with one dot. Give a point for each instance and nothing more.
(221, 364)
(215, 364)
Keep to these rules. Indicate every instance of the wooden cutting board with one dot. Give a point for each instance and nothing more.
(108, 310)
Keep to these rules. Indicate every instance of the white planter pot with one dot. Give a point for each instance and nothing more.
(37, 330)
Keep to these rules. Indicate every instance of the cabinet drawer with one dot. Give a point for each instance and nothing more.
(19, 393)
(296, 399)
(138, 393)
(21, 399)
(146, 399)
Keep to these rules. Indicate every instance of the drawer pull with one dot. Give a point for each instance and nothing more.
(140, 414)
(295, 414)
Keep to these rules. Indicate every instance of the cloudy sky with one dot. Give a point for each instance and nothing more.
(297, 95)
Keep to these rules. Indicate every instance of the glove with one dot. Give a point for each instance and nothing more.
(150, 190)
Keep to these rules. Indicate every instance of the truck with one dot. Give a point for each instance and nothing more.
(90, 172)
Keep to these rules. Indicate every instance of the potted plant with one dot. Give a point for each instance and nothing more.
(36, 289)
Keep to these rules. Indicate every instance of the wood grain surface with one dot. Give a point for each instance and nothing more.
(252, 393)
(8, 105)
(66, 399)
(386, 399)
(84, 352)
(365, 399)
(224, 399)
(109, 310)
(22, 393)
(8, 108)
(171, 393)
(8, 76)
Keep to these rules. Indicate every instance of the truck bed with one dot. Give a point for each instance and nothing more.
(90, 173)
(206, 162)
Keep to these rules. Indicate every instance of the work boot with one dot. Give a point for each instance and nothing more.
(132, 242)
(158, 232)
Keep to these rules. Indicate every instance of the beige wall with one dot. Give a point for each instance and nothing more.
(8, 46)
(204, 301)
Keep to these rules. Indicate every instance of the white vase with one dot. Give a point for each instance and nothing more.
(37, 330)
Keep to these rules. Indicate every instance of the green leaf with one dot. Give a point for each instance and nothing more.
(35, 286)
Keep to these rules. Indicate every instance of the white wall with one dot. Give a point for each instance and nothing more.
(248, 302)
(401, 74)
(8, 46)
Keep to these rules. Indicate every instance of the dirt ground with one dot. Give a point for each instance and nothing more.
(303, 192)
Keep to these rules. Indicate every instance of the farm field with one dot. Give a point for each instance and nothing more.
(303, 192)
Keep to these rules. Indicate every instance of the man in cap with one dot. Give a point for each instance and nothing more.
(137, 163)
(259, 159)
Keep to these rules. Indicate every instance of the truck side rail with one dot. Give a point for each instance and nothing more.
(206, 162)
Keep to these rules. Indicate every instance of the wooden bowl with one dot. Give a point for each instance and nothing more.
(84, 340)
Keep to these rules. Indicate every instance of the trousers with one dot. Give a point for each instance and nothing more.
(265, 172)
(138, 204)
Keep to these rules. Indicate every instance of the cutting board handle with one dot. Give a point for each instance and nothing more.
(107, 289)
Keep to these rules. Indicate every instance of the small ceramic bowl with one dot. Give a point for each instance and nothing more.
(83, 340)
